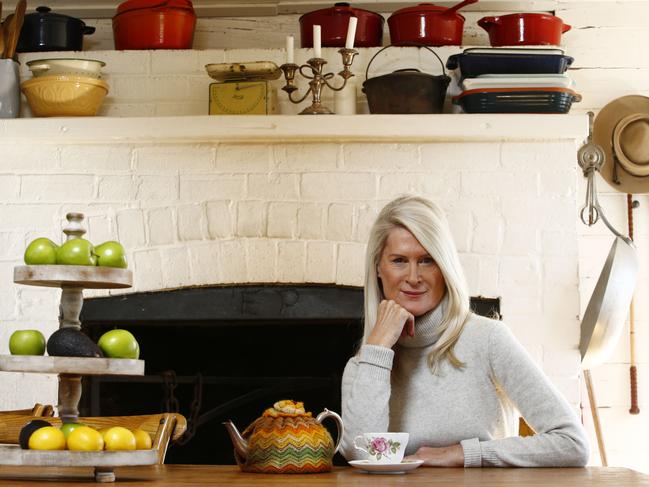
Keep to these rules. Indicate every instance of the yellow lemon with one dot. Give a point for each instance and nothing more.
(118, 438)
(142, 439)
(68, 428)
(47, 438)
(84, 438)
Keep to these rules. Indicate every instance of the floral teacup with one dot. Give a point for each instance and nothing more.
(382, 447)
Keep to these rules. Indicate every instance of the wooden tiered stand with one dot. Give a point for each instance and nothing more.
(73, 280)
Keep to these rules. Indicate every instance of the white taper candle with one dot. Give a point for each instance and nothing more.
(316, 41)
(351, 33)
(290, 43)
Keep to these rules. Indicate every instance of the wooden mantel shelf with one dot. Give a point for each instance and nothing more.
(295, 128)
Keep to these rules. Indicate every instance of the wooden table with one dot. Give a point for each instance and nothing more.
(230, 476)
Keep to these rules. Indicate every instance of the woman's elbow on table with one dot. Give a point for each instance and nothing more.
(576, 451)
(581, 451)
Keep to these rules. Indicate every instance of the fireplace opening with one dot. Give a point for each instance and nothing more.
(222, 353)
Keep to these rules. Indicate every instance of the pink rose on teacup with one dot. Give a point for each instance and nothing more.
(386, 447)
(379, 445)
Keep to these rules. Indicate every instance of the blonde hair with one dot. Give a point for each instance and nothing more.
(427, 223)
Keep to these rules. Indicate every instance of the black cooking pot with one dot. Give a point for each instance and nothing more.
(47, 31)
(406, 90)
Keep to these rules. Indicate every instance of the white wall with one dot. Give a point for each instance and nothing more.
(200, 212)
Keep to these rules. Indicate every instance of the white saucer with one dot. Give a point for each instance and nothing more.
(373, 467)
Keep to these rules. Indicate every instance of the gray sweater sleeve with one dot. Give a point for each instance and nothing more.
(365, 395)
(560, 440)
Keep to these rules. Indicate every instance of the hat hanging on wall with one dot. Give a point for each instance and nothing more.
(621, 129)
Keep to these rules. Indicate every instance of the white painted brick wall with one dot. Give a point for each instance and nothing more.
(282, 220)
(162, 227)
(191, 222)
(291, 261)
(209, 213)
(220, 219)
(205, 263)
(131, 230)
(310, 219)
(320, 262)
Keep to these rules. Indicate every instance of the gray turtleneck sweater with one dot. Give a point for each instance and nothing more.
(477, 406)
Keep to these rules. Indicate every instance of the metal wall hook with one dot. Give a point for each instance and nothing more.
(591, 158)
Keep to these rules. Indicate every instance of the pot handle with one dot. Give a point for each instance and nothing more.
(87, 30)
(39, 67)
(487, 22)
(367, 70)
(342, 8)
(339, 423)
(455, 8)
(565, 28)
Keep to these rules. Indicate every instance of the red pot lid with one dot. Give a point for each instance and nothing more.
(341, 8)
(146, 4)
(422, 8)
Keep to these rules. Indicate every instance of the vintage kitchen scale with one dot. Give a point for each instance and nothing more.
(243, 88)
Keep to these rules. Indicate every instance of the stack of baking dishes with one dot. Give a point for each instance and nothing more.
(513, 80)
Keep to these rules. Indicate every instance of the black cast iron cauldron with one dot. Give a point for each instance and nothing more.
(406, 91)
(44, 30)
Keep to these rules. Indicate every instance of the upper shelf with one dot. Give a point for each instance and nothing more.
(258, 8)
(77, 276)
(296, 128)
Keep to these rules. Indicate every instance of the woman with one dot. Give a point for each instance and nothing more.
(455, 381)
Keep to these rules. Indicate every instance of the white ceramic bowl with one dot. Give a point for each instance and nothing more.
(66, 67)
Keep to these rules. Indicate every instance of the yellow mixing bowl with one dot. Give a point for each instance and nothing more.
(64, 96)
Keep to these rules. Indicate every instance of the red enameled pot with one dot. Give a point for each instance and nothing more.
(154, 24)
(427, 24)
(526, 29)
(334, 21)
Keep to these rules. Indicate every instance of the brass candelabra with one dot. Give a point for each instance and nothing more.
(318, 80)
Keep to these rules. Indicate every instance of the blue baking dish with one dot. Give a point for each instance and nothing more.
(504, 61)
(517, 100)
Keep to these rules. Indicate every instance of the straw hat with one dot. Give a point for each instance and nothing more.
(621, 129)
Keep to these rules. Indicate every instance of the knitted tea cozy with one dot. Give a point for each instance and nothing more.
(287, 439)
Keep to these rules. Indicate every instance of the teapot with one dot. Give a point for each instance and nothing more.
(286, 439)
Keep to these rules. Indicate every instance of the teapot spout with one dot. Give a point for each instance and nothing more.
(240, 445)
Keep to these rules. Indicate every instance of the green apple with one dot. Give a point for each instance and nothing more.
(119, 344)
(27, 342)
(41, 251)
(68, 428)
(77, 251)
(111, 254)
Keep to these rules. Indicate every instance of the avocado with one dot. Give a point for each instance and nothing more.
(27, 430)
(70, 342)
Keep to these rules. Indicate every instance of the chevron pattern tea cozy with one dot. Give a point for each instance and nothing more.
(286, 439)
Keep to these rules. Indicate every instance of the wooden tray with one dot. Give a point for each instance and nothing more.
(79, 276)
(71, 365)
(14, 455)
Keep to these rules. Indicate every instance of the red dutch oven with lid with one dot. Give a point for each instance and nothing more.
(525, 29)
(427, 25)
(334, 21)
(154, 24)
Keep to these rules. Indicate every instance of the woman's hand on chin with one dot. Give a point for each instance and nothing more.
(392, 321)
(447, 456)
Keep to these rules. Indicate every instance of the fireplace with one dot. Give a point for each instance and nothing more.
(226, 353)
(218, 353)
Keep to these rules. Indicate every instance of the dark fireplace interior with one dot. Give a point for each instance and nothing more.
(221, 353)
